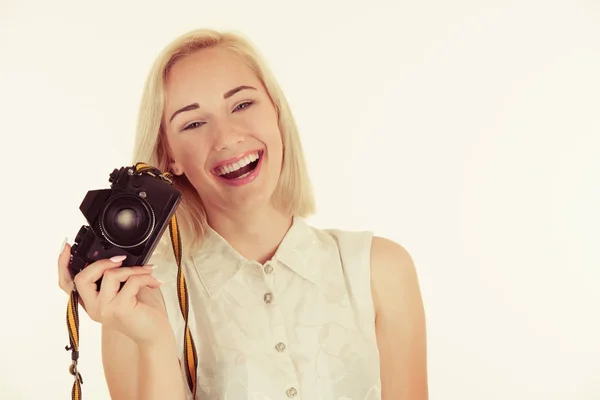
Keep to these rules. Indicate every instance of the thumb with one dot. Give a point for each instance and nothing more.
(65, 280)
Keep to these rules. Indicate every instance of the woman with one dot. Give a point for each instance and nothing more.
(278, 309)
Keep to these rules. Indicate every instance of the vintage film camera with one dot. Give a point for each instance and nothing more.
(127, 219)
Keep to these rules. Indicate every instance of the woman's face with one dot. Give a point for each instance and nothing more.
(222, 130)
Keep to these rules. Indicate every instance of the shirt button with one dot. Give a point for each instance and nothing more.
(291, 392)
(268, 297)
(280, 347)
(268, 269)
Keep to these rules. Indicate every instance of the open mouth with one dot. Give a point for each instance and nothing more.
(239, 169)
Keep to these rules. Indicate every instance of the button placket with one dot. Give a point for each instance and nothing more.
(268, 298)
(267, 273)
(280, 347)
(268, 269)
(279, 331)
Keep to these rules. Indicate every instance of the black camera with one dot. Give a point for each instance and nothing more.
(128, 219)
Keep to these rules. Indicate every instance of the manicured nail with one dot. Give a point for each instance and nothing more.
(117, 259)
(64, 245)
(150, 266)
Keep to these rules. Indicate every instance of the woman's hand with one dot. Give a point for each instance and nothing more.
(118, 309)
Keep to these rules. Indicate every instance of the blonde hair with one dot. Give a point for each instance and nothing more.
(293, 193)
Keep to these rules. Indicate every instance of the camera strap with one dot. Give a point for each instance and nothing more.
(190, 355)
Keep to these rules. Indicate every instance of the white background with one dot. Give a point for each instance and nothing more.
(468, 131)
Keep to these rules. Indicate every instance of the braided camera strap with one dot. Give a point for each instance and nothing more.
(190, 356)
(73, 327)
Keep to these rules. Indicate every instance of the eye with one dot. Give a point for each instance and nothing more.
(193, 125)
(243, 105)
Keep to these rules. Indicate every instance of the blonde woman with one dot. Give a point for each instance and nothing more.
(277, 308)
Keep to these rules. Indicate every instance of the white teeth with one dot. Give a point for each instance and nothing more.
(224, 169)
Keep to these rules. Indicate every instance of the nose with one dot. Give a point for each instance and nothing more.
(227, 136)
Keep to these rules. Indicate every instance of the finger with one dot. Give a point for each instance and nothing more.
(112, 279)
(86, 279)
(127, 295)
(65, 281)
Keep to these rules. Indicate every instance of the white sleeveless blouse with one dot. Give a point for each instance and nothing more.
(301, 326)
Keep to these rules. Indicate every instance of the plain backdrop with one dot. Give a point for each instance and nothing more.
(468, 131)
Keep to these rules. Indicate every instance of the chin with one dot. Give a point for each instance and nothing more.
(249, 195)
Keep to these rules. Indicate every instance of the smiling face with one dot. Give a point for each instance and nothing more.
(222, 130)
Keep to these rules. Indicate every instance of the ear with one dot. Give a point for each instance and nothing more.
(177, 170)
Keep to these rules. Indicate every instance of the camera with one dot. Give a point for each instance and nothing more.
(128, 219)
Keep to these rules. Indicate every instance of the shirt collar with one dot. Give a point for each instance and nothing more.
(217, 261)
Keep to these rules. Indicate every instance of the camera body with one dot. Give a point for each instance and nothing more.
(128, 219)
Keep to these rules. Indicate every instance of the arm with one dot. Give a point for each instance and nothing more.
(399, 322)
(142, 372)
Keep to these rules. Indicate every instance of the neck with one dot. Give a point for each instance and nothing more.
(255, 235)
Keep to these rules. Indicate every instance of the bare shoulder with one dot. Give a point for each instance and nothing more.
(399, 321)
(393, 272)
(394, 281)
(389, 257)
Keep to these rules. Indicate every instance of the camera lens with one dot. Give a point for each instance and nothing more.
(127, 220)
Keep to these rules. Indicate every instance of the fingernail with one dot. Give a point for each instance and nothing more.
(157, 280)
(117, 259)
(62, 248)
(150, 266)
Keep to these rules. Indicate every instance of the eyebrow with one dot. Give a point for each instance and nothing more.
(186, 108)
(195, 106)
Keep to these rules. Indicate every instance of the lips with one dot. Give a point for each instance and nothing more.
(238, 167)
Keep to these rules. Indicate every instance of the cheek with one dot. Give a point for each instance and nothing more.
(271, 134)
(190, 155)
(275, 139)
(276, 146)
